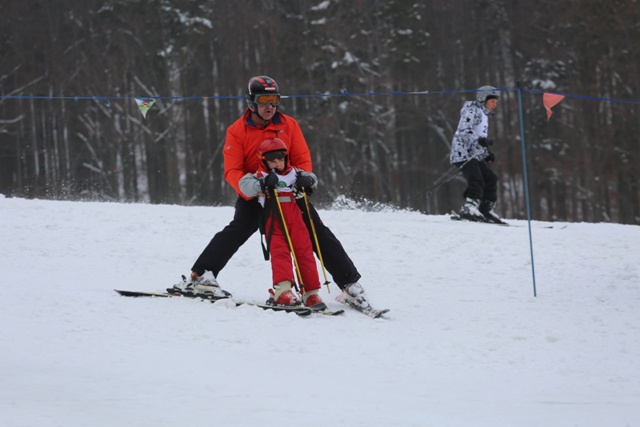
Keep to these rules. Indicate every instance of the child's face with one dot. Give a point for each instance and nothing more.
(277, 164)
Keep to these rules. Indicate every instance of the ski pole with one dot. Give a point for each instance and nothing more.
(437, 184)
(442, 180)
(315, 238)
(286, 233)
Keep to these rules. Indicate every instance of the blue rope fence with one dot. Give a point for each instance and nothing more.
(343, 93)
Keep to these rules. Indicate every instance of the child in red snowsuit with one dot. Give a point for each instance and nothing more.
(276, 176)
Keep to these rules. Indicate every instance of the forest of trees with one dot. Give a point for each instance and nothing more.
(376, 85)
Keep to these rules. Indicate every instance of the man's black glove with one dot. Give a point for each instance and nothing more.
(490, 158)
(271, 181)
(485, 142)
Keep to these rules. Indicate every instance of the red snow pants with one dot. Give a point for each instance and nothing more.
(281, 261)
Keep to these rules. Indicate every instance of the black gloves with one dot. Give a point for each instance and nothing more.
(485, 142)
(490, 158)
(271, 181)
(304, 181)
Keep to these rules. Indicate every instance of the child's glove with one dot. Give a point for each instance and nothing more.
(271, 181)
(304, 181)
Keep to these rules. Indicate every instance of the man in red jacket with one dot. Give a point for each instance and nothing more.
(262, 121)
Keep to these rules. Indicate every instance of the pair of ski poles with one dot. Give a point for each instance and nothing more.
(313, 231)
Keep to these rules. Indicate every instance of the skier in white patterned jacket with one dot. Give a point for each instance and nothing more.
(470, 152)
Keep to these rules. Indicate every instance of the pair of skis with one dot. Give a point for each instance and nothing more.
(299, 310)
(457, 217)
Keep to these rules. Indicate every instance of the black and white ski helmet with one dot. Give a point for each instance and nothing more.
(486, 92)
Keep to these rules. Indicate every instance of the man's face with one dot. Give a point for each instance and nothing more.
(266, 111)
(491, 104)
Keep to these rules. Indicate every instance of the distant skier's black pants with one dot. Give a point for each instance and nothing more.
(245, 222)
(482, 183)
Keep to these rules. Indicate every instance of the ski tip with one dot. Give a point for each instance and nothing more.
(141, 293)
(378, 314)
(126, 293)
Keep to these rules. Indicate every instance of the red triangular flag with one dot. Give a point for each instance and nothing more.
(550, 100)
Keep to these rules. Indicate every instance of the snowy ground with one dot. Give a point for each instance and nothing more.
(466, 342)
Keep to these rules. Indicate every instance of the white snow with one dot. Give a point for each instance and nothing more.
(466, 342)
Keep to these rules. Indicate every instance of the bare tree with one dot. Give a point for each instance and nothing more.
(376, 85)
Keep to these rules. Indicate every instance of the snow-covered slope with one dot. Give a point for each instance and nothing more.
(466, 342)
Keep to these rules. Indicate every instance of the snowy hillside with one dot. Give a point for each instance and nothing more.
(466, 342)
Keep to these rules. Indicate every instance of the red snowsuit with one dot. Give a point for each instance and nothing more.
(281, 262)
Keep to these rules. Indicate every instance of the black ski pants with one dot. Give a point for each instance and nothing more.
(482, 183)
(246, 220)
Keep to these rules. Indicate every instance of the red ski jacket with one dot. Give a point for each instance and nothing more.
(241, 146)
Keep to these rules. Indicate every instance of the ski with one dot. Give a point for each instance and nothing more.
(374, 314)
(143, 294)
(456, 217)
(328, 312)
(299, 310)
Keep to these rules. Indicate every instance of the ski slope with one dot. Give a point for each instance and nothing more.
(466, 343)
